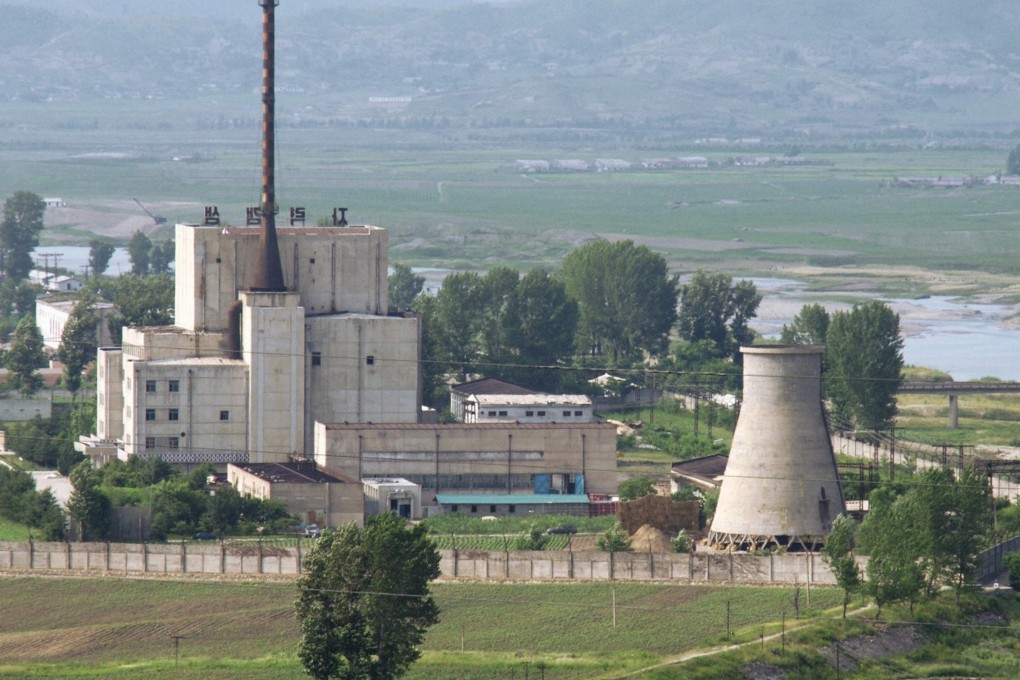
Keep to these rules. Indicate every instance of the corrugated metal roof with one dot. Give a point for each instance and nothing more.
(510, 498)
(489, 386)
(530, 399)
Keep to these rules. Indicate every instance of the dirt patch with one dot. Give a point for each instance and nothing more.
(762, 671)
(887, 642)
(648, 539)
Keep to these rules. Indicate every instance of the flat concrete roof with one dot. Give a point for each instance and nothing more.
(289, 473)
(425, 427)
(531, 399)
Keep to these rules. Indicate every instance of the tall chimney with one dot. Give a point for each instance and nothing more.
(268, 270)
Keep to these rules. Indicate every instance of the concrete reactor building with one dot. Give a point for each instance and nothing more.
(283, 351)
(781, 487)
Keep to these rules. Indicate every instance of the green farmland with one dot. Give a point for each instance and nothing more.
(115, 628)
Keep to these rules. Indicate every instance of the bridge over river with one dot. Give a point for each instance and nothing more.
(954, 389)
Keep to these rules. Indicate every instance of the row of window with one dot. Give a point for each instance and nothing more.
(172, 386)
(540, 414)
(317, 359)
(162, 442)
(175, 414)
(492, 508)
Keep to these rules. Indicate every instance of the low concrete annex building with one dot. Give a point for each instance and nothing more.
(315, 496)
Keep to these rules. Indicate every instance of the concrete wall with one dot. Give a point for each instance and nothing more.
(13, 410)
(109, 393)
(474, 565)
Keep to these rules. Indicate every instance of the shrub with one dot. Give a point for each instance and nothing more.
(682, 542)
(1012, 564)
(614, 539)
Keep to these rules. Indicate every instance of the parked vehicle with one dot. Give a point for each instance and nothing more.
(562, 529)
(313, 531)
(206, 536)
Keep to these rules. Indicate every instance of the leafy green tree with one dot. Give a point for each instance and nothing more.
(364, 602)
(1013, 161)
(403, 286)
(21, 503)
(682, 543)
(455, 323)
(88, 505)
(176, 508)
(100, 253)
(838, 555)
(78, 342)
(714, 308)
(809, 327)
(1012, 563)
(636, 488)
(161, 257)
(141, 301)
(535, 539)
(140, 252)
(895, 548)
(538, 325)
(613, 539)
(24, 298)
(494, 292)
(433, 365)
(626, 299)
(19, 233)
(24, 357)
(865, 365)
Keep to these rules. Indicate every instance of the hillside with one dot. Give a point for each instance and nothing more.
(789, 68)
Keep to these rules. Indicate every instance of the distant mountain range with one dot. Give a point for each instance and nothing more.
(785, 68)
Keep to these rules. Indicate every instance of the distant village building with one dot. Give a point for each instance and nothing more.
(461, 392)
(55, 283)
(532, 166)
(572, 165)
(692, 162)
(55, 202)
(611, 165)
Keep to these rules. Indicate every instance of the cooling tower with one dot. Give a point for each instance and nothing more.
(780, 487)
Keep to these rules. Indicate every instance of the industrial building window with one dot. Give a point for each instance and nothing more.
(370, 360)
(175, 385)
(150, 385)
(492, 413)
(578, 413)
(150, 414)
(529, 413)
(511, 508)
(150, 442)
(492, 508)
(316, 358)
(224, 415)
(541, 413)
(173, 443)
(566, 413)
(474, 508)
(173, 414)
(503, 413)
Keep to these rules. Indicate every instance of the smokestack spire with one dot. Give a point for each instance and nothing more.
(268, 270)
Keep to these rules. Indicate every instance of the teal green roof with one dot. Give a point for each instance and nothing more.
(510, 498)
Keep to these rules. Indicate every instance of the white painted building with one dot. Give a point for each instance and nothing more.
(51, 317)
(528, 408)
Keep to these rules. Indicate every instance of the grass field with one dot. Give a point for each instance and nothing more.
(454, 202)
(63, 628)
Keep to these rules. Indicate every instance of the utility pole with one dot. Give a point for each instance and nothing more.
(177, 648)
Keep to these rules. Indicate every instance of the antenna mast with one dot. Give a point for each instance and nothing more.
(268, 271)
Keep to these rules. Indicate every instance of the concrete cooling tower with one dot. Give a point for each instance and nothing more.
(780, 487)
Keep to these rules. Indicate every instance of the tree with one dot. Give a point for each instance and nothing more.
(626, 299)
(894, 548)
(19, 233)
(88, 505)
(364, 601)
(139, 250)
(161, 257)
(809, 327)
(455, 320)
(100, 253)
(838, 555)
(613, 539)
(141, 301)
(78, 342)
(403, 286)
(713, 308)
(24, 357)
(636, 488)
(537, 327)
(1013, 161)
(865, 364)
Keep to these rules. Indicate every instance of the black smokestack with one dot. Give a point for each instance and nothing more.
(268, 270)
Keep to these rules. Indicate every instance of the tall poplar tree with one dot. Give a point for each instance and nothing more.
(19, 233)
